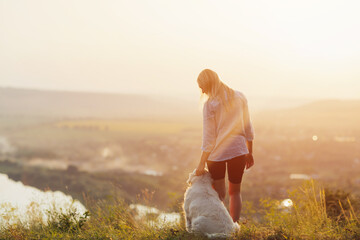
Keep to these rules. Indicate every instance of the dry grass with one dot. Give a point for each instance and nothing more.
(307, 219)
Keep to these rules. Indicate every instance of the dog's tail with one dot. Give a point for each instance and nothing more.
(223, 235)
(217, 235)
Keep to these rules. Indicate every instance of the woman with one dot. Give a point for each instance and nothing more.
(227, 138)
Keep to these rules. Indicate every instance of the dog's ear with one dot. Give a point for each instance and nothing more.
(189, 181)
(191, 177)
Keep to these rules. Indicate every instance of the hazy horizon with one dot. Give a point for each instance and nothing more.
(281, 49)
(188, 96)
(105, 104)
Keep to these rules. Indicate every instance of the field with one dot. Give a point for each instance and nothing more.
(130, 127)
(147, 161)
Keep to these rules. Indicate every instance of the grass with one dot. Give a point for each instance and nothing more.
(308, 218)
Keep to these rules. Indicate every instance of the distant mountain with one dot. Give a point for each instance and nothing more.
(325, 114)
(263, 103)
(335, 106)
(29, 102)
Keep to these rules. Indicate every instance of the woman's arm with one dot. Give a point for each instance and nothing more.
(249, 145)
(249, 157)
(200, 170)
(249, 134)
(209, 137)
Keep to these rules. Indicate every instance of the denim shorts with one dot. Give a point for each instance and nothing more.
(235, 169)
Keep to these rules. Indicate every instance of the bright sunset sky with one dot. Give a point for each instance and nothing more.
(304, 48)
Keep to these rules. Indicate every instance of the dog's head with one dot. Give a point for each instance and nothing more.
(206, 177)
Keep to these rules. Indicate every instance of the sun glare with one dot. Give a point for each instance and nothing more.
(287, 203)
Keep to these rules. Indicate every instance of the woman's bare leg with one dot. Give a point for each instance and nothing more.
(235, 201)
(219, 186)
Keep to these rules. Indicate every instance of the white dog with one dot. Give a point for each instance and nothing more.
(204, 211)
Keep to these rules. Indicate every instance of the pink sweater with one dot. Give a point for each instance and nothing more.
(225, 132)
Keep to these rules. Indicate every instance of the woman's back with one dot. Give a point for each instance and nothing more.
(226, 129)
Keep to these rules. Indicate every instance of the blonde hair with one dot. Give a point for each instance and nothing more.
(216, 89)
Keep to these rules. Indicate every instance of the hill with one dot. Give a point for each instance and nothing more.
(334, 106)
(29, 102)
(324, 115)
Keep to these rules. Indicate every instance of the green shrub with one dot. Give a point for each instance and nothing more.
(308, 218)
(71, 221)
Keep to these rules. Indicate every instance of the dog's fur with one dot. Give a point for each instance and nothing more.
(204, 211)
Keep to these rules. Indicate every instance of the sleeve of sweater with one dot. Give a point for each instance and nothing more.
(209, 128)
(248, 128)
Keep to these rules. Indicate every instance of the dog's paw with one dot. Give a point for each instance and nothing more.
(236, 227)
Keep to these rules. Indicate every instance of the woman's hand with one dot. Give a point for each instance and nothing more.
(249, 161)
(200, 170)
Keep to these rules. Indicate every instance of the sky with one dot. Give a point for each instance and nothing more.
(271, 48)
